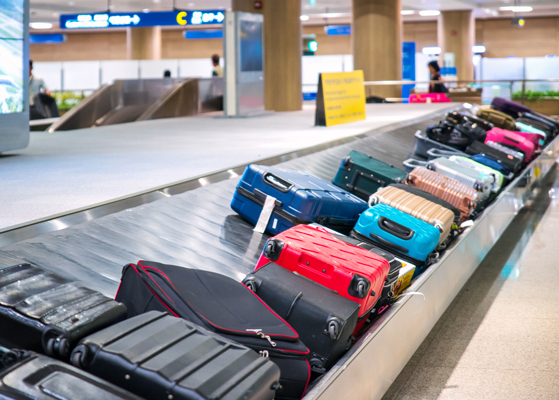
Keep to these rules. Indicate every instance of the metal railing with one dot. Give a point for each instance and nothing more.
(509, 82)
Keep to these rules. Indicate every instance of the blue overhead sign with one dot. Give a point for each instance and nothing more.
(152, 18)
(338, 30)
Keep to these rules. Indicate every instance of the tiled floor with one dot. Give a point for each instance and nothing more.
(500, 337)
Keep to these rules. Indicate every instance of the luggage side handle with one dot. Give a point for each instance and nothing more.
(395, 229)
(410, 164)
(276, 182)
(436, 153)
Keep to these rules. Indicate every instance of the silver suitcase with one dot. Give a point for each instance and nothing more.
(478, 180)
(506, 150)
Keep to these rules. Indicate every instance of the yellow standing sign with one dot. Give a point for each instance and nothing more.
(340, 98)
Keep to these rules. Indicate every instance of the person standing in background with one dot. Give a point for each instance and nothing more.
(436, 76)
(217, 71)
(36, 86)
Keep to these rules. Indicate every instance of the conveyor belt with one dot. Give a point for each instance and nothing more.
(196, 229)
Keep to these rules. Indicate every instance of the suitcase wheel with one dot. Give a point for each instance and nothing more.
(251, 283)
(346, 161)
(79, 357)
(334, 328)
(12, 357)
(373, 200)
(359, 286)
(55, 343)
(273, 249)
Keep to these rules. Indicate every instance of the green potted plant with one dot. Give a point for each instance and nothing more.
(545, 102)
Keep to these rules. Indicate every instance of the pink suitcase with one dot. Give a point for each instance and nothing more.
(516, 139)
(434, 98)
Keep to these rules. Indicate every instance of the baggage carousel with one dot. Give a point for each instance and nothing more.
(195, 227)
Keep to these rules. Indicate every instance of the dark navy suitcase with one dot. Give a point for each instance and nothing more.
(399, 233)
(300, 198)
(493, 164)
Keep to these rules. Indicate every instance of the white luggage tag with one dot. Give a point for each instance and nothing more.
(265, 214)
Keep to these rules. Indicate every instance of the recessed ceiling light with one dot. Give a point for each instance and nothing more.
(304, 17)
(55, 14)
(40, 25)
(431, 51)
(478, 49)
(190, 5)
(156, 1)
(429, 13)
(516, 8)
(71, 3)
(146, 10)
(407, 12)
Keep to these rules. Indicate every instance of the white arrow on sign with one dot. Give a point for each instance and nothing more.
(220, 17)
(136, 19)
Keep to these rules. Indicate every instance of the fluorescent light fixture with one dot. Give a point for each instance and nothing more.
(407, 12)
(40, 25)
(478, 49)
(431, 51)
(429, 13)
(304, 17)
(516, 8)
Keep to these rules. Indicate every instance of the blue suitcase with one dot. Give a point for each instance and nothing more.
(398, 232)
(494, 164)
(301, 198)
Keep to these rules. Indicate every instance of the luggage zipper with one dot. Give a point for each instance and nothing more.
(263, 336)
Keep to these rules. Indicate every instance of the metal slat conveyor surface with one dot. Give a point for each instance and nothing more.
(198, 229)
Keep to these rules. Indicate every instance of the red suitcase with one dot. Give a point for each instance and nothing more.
(350, 271)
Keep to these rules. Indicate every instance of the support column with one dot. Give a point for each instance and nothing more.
(377, 43)
(143, 43)
(456, 34)
(282, 51)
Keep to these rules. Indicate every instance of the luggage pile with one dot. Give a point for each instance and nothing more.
(339, 255)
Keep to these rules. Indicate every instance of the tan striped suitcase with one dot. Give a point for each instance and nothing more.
(463, 197)
(497, 118)
(440, 217)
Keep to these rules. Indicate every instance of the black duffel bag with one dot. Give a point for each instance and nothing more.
(458, 136)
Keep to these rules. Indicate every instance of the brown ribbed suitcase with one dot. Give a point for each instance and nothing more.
(418, 207)
(497, 118)
(462, 197)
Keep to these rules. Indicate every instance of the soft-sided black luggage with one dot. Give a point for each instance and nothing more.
(456, 118)
(323, 319)
(221, 305)
(44, 312)
(26, 375)
(158, 356)
(514, 164)
(458, 136)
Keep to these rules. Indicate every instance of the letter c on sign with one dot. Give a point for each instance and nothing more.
(181, 18)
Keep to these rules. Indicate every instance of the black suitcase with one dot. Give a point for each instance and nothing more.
(512, 163)
(551, 124)
(538, 125)
(323, 319)
(158, 356)
(29, 376)
(221, 305)
(44, 312)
